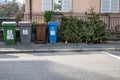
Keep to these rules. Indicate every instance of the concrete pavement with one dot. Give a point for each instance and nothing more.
(58, 47)
(59, 66)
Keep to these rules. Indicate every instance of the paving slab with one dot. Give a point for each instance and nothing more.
(58, 47)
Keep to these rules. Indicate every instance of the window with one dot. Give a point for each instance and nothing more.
(57, 5)
(66, 5)
(110, 6)
(46, 5)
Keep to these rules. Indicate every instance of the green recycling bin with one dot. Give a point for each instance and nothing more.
(9, 32)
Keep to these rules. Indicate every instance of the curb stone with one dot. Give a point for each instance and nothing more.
(60, 50)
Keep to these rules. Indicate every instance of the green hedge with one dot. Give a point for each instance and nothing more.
(74, 30)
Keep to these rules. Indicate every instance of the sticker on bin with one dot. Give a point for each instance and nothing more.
(25, 32)
(9, 34)
(52, 33)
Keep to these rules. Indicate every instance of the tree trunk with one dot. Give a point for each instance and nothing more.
(66, 41)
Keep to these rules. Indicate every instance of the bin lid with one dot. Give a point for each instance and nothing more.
(25, 23)
(53, 23)
(41, 24)
(9, 23)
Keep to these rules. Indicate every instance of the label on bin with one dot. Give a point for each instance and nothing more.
(9, 34)
(25, 32)
(52, 33)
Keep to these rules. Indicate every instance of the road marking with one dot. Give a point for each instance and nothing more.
(111, 55)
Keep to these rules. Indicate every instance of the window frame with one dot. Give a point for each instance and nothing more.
(110, 7)
(52, 6)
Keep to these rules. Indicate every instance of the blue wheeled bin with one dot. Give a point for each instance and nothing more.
(52, 29)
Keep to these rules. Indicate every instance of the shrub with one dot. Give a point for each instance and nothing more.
(49, 14)
(69, 30)
(74, 30)
(98, 29)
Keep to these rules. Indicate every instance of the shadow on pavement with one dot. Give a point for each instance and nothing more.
(47, 70)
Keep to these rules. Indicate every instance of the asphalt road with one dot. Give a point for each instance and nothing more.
(60, 66)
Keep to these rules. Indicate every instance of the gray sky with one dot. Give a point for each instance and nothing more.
(21, 1)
